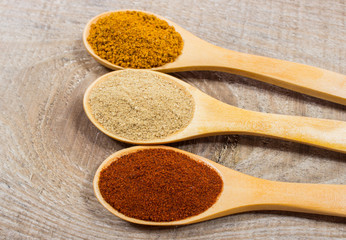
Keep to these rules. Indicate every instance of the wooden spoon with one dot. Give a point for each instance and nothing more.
(200, 55)
(242, 193)
(213, 117)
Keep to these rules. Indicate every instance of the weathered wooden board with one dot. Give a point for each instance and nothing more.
(50, 150)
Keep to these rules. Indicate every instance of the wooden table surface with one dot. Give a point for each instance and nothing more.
(50, 150)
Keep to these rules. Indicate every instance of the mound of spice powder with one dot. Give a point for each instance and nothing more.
(159, 185)
(133, 39)
(141, 105)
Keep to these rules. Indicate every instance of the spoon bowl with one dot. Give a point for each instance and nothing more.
(198, 54)
(213, 117)
(242, 193)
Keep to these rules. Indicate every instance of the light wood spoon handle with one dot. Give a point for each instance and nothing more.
(301, 78)
(213, 117)
(201, 55)
(300, 197)
(330, 134)
(243, 193)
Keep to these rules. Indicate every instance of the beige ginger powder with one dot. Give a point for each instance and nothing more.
(141, 105)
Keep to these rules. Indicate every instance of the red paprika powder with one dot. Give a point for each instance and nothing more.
(159, 185)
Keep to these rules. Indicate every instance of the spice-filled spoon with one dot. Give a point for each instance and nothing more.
(121, 186)
(141, 103)
(198, 54)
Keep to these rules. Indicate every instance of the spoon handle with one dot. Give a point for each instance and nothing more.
(301, 78)
(325, 133)
(330, 134)
(298, 77)
(324, 199)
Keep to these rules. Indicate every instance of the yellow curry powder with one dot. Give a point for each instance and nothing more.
(133, 39)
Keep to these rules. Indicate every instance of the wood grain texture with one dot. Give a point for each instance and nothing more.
(50, 150)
